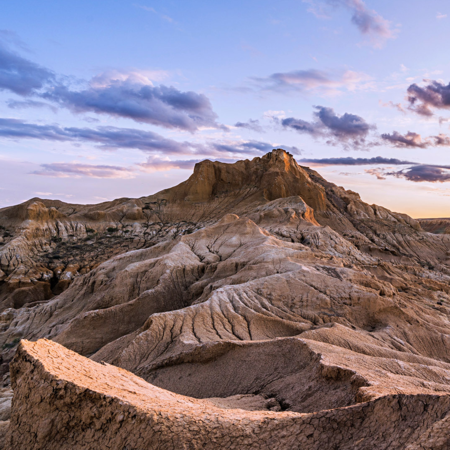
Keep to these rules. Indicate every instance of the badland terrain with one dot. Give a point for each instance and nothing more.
(254, 306)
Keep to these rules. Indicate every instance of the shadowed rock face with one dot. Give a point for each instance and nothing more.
(437, 226)
(254, 286)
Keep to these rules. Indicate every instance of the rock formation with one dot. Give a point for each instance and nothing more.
(290, 312)
(65, 401)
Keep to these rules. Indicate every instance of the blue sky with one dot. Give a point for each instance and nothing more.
(108, 99)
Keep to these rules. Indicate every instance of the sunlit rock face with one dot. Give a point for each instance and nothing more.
(255, 305)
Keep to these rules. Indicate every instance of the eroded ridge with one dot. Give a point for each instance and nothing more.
(65, 401)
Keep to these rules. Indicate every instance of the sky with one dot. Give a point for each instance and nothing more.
(107, 99)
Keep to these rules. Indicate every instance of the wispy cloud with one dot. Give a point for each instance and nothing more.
(380, 174)
(398, 106)
(155, 164)
(440, 16)
(152, 10)
(368, 21)
(25, 104)
(312, 80)
(76, 170)
(251, 124)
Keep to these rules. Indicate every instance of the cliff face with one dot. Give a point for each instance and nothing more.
(256, 285)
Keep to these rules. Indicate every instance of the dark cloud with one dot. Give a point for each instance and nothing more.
(75, 170)
(349, 161)
(408, 140)
(302, 126)
(111, 138)
(368, 21)
(348, 130)
(424, 172)
(158, 105)
(441, 140)
(19, 75)
(250, 125)
(128, 95)
(345, 126)
(423, 100)
(415, 140)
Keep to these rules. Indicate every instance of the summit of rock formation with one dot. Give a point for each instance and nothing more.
(253, 300)
(275, 175)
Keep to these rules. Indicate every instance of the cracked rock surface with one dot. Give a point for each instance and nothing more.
(65, 401)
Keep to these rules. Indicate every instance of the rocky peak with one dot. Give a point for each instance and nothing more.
(272, 176)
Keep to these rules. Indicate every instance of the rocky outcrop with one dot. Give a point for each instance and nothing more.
(46, 244)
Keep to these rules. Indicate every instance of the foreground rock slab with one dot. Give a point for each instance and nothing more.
(65, 401)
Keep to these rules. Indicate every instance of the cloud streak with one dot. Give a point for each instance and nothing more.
(154, 164)
(314, 80)
(417, 172)
(251, 124)
(350, 161)
(76, 170)
(112, 138)
(424, 172)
